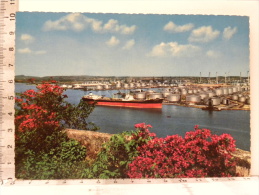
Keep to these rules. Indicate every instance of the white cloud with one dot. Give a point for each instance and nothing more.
(24, 50)
(213, 54)
(113, 26)
(78, 22)
(174, 49)
(29, 51)
(55, 25)
(113, 41)
(74, 21)
(172, 27)
(95, 25)
(27, 38)
(74, 17)
(129, 44)
(229, 32)
(203, 34)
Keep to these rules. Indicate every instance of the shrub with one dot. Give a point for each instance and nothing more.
(113, 160)
(64, 161)
(198, 154)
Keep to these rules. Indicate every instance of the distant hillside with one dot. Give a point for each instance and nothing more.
(24, 79)
(61, 79)
(84, 78)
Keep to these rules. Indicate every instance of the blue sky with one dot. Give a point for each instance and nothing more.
(56, 44)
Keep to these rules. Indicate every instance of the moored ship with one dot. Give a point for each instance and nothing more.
(127, 100)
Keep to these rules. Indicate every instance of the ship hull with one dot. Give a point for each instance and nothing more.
(156, 103)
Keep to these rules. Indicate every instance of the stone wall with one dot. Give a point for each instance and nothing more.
(90, 139)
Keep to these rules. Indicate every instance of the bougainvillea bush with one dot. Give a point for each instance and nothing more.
(41, 116)
(199, 154)
(140, 154)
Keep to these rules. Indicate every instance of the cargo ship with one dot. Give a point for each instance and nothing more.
(127, 100)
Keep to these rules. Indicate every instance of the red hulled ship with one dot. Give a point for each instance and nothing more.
(127, 101)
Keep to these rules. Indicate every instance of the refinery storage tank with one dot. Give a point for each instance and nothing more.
(195, 91)
(235, 89)
(174, 98)
(242, 99)
(203, 95)
(184, 92)
(214, 100)
(99, 87)
(155, 96)
(211, 93)
(225, 101)
(131, 85)
(118, 85)
(225, 91)
(138, 84)
(140, 96)
(219, 91)
(166, 94)
(230, 90)
(106, 87)
(126, 85)
(234, 97)
(193, 98)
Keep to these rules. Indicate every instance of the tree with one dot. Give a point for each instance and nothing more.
(40, 119)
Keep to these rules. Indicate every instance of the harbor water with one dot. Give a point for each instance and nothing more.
(169, 120)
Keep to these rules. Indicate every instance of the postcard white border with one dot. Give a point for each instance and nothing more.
(232, 7)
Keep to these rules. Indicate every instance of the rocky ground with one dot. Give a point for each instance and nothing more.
(90, 139)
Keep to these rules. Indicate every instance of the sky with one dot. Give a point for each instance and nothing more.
(63, 44)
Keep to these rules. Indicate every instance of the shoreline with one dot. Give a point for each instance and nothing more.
(217, 108)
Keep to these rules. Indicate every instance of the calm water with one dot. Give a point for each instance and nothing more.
(166, 121)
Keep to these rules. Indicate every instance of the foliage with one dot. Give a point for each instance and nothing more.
(198, 154)
(140, 154)
(47, 108)
(64, 161)
(43, 151)
(113, 160)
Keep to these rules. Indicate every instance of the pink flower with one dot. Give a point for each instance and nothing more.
(142, 126)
